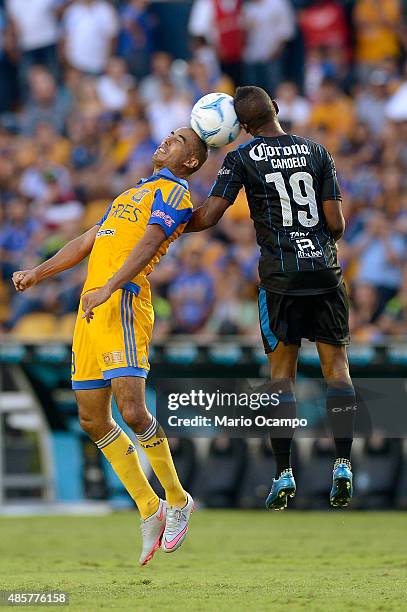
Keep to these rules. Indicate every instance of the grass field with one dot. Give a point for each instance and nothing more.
(334, 561)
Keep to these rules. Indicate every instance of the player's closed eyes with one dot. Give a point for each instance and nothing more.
(180, 139)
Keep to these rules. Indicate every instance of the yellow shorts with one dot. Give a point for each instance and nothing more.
(115, 342)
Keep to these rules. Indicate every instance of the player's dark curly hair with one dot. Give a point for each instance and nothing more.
(254, 107)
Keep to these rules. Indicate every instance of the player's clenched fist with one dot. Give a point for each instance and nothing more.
(23, 279)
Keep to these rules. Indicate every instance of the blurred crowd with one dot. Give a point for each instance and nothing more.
(87, 91)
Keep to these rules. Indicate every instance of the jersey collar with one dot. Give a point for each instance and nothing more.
(165, 174)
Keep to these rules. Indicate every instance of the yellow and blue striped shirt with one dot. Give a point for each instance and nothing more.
(161, 199)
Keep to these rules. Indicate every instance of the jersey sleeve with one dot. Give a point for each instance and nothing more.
(330, 186)
(230, 178)
(172, 211)
(105, 216)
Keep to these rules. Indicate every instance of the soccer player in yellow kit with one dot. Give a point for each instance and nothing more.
(114, 327)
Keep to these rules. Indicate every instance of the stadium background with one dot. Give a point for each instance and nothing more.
(87, 90)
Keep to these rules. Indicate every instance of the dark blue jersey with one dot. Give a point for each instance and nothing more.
(286, 179)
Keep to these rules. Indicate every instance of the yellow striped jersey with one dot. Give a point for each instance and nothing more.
(162, 199)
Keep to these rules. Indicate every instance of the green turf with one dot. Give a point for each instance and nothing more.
(249, 561)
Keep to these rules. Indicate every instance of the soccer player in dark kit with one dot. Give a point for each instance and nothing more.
(295, 204)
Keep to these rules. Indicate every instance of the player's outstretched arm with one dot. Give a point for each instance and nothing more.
(207, 215)
(69, 256)
(334, 218)
(141, 255)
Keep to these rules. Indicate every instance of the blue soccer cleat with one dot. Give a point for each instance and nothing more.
(282, 488)
(342, 487)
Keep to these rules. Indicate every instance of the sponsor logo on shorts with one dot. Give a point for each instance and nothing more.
(106, 232)
(113, 358)
(169, 221)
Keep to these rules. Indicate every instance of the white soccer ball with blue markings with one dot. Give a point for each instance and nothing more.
(214, 119)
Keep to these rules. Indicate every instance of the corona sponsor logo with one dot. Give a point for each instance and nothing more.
(262, 151)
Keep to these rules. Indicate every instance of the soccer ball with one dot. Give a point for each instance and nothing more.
(214, 119)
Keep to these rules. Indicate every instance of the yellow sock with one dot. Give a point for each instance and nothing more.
(122, 456)
(155, 444)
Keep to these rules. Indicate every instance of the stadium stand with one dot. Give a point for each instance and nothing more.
(74, 136)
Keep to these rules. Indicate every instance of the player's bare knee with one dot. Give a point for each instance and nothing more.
(91, 426)
(337, 373)
(136, 416)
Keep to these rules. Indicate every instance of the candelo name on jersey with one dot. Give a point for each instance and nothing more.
(286, 179)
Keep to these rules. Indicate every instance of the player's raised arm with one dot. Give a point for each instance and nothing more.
(208, 214)
(69, 256)
(223, 193)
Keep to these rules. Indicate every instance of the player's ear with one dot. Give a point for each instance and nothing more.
(275, 106)
(191, 163)
(245, 127)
